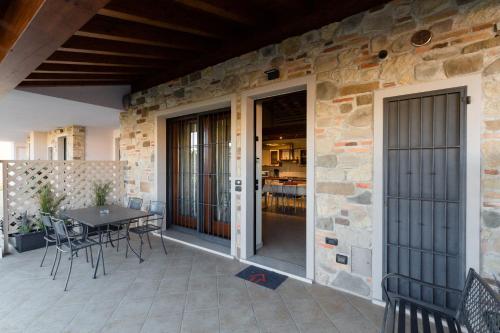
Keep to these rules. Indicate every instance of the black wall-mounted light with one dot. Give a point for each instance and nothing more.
(272, 74)
(383, 54)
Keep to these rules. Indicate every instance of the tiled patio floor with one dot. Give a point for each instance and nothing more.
(188, 291)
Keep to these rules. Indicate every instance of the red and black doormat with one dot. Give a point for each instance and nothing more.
(262, 277)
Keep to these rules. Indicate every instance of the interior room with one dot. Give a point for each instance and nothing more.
(281, 166)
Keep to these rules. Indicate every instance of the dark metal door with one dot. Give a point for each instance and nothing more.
(424, 194)
(199, 174)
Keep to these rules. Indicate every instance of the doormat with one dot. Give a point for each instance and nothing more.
(262, 277)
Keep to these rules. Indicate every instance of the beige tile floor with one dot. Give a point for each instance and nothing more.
(186, 291)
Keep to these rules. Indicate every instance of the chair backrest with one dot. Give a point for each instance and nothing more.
(290, 189)
(157, 208)
(479, 308)
(60, 231)
(135, 203)
(46, 220)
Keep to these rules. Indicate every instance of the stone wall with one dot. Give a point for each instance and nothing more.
(343, 57)
(75, 136)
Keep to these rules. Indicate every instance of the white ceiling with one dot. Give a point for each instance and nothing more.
(22, 111)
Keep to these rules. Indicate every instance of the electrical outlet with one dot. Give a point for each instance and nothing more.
(341, 259)
(332, 241)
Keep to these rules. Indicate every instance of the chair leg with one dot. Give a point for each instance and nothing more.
(149, 241)
(91, 258)
(69, 273)
(46, 248)
(57, 267)
(86, 255)
(163, 241)
(140, 249)
(102, 259)
(54, 263)
(118, 240)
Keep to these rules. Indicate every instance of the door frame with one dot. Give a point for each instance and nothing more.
(248, 98)
(160, 164)
(473, 169)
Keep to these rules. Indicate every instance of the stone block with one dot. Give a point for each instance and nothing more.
(326, 161)
(492, 125)
(492, 68)
(290, 46)
(364, 99)
(364, 198)
(379, 43)
(345, 108)
(362, 117)
(326, 90)
(380, 21)
(326, 63)
(342, 221)
(484, 44)
(429, 71)
(324, 223)
(359, 88)
(402, 44)
(335, 188)
(463, 65)
(491, 219)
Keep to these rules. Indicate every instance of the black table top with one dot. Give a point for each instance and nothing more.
(92, 217)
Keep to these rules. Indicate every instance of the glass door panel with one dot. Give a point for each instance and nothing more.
(199, 173)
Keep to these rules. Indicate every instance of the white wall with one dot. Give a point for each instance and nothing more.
(6, 150)
(22, 112)
(38, 145)
(99, 144)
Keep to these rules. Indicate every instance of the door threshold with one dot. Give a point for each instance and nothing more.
(197, 243)
(291, 270)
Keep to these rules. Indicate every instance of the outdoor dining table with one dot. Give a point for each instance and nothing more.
(103, 216)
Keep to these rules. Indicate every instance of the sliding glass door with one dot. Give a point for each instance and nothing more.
(199, 174)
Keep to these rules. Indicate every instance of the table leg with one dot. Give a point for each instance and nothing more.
(99, 254)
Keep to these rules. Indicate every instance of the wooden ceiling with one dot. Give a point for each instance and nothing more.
(148, 42)
(284, 116)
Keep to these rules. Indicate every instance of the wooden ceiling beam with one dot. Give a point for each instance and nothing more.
(110, 47)
(14, 18)
(72, 76)
(108, 28)
(33, 29)
(166, 15)
(86, 69)
(73, 83)
(61, 57)
(228, 11)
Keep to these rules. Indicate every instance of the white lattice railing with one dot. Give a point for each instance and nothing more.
(23, 179)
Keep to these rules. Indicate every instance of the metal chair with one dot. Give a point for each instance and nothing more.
(277, 193)
(478, 310)
(133, 203)
(65, 243)
(50, 237)
(152, 223)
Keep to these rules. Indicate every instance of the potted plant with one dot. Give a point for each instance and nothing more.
(101, 192)
(31, 231)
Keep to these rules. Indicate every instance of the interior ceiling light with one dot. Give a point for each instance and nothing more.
(421, 38)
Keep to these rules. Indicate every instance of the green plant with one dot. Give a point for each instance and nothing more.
(49, 202)
(101, 191)
(24, 226)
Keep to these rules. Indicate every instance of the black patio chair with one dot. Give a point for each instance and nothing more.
(133, 203)
(50, 237)
(478, 310)
(151, 224)
(65, 243)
